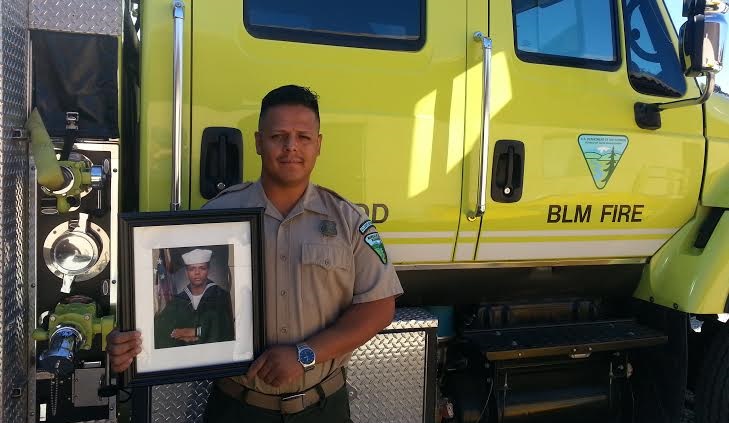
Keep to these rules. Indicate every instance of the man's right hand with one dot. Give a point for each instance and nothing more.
(122, 347)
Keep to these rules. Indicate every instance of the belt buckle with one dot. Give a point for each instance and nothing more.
(291, 409)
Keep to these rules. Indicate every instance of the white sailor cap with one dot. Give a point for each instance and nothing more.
(197, 256)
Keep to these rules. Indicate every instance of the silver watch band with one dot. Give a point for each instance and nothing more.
(301, 346)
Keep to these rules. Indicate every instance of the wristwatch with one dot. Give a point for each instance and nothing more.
(307, 357)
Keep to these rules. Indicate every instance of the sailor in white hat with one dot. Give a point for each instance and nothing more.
(197, 266)
(201, 313)
(197, 256)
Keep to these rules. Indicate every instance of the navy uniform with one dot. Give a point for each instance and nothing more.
(322, 257)
(212, 318)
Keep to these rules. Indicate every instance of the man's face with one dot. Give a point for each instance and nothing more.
(197, 273)
(288, 141)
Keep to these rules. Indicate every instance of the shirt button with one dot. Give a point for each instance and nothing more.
(284, 330)
(283, 257)
(283, 293)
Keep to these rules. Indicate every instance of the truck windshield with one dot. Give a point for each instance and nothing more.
(653, 64)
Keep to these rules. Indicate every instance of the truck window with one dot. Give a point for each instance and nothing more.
(653, 65)
(376, 24)
(575, 33)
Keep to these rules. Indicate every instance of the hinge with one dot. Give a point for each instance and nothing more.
(647, 116)
(20, 134)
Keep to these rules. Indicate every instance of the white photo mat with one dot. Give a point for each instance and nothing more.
(149, 238)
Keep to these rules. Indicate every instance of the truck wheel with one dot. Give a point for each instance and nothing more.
(712, 387)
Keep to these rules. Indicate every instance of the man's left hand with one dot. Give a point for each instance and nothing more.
(277, 366)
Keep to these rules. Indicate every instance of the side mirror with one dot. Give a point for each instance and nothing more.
(702, 39)
(701, 49)
(693, 7)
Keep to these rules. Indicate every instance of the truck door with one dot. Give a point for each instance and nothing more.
(570, 173)
(390, 76)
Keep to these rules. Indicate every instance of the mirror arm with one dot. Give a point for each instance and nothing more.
(648, 115)
(708, 90)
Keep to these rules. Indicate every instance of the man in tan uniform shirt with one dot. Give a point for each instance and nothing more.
(329, 284)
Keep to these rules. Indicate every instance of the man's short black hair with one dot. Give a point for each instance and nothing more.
(290, 95)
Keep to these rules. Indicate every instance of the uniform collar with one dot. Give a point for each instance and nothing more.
(186, 293)
(311, 201)
(259, 196)
(190, 296)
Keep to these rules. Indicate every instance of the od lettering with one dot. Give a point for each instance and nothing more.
(380, 212)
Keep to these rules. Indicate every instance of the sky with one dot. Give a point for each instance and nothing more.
(674, 9)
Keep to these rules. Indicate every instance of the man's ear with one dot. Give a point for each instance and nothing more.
(259, 142)
(320, 139)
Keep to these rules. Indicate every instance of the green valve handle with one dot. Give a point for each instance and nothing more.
(80, 317)
(67, 179)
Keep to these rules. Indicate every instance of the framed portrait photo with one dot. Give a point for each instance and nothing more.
(192, 284)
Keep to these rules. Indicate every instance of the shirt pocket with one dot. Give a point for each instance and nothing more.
(327, 257)
(327, 280)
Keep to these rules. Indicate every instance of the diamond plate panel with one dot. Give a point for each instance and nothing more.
(390, 369)
(180, 402)
(13, 211)
(82, 16)
(387, 375)
(412, 318)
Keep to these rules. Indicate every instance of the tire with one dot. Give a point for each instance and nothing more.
(712, 386)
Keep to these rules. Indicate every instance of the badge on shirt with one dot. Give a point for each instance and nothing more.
(375, 242)
(328, 228)
(364, 226)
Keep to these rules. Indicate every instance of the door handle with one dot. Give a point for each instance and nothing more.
(509, 186)
(486, 117)
(221, 160)
(222, 165)
(507, 175)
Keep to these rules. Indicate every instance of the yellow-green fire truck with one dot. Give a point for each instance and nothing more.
(550, 178)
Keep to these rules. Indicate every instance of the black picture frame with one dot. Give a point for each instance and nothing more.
(140, 232)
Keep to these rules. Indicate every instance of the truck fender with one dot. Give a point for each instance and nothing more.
(684, 276)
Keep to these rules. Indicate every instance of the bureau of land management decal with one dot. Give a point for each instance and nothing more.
(602, 154)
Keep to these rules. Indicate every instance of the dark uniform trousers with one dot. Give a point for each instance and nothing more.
(222, 408)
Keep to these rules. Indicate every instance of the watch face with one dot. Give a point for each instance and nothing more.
(306, 356)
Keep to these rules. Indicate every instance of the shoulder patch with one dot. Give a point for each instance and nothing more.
(234, 188)
(366, 225)
(375, 242)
